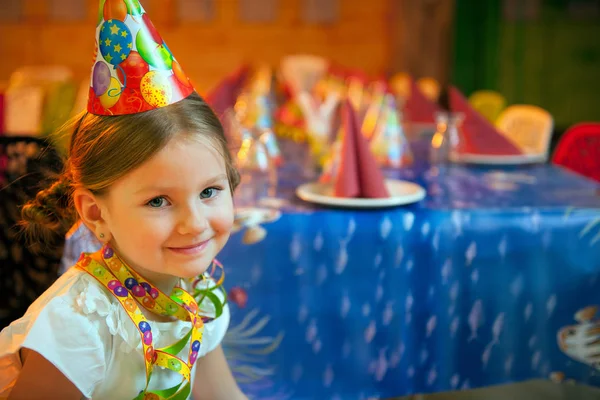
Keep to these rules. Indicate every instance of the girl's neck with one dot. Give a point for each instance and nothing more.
(163, 282)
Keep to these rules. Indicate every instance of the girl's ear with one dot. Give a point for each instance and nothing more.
(90, 211)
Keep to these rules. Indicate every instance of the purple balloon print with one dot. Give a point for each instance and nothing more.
(121, 291)
(130, 283)
(196, 345)
(138, 291)
(193, 357)
(148, 337)
(146, 286)
(100, 78)
(113, 284)
(108, 252)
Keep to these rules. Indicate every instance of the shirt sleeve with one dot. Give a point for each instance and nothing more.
(73, 342)
(214, 332)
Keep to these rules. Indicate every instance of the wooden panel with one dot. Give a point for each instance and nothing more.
(320, 11)
(67, 10)
(11, 11)
(258, 10)
(195, 10)
(209, 50)
(422, 37)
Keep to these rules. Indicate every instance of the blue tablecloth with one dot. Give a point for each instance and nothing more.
(478, 284)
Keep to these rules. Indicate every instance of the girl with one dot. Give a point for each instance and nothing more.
(149, 174)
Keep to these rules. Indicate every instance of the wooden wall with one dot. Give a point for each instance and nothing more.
(377, 36)
(209, 50)
(421, 37)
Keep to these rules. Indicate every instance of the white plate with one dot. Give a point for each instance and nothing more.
(486, 159)
(401, 192)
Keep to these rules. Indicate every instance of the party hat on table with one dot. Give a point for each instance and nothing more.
(373, 114)
(358, 174)
(225, 94)
(134, 70)
(264, 124)
(418, 108)
(389, 145)
(479, 135)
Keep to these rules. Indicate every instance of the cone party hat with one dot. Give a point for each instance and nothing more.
(134, 70)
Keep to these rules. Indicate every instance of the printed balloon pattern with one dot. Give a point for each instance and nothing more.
(115, 9)
(134, 70)
(134, 7)
(115, 41)
(100, 78)
(112, 95)
(156, 89)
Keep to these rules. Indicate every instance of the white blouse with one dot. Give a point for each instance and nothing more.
(84, 331)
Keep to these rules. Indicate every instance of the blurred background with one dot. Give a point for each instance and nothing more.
(540, 52)
(489, 275)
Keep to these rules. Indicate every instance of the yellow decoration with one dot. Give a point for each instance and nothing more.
(111, 96)
(156, 89)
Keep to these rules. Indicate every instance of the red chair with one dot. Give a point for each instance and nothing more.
(579, 150)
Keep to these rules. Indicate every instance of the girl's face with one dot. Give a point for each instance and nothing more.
(173, 214)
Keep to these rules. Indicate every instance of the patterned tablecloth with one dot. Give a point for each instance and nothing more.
(493, 278)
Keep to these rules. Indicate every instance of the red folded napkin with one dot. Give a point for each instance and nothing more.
(359, 174)
(479, 135)
(419, 108)
(223, 96)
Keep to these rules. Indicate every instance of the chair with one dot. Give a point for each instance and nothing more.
(40, 75)
(38, 100)
(529, 127)
(26, 165)
(488, 103)
(579, 150)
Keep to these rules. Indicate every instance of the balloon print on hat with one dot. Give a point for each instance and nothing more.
(134, 70)
(100, 78)
(115, 9)
(151, 46)
(115, 41)
(156, 89)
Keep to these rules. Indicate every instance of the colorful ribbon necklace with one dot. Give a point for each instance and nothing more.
(131, 289)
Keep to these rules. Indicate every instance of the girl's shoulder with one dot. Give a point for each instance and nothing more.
(75, 303)
(66, 325)
(75, 292)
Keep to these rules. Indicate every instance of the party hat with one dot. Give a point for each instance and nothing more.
(134, 70)
(331, 163)
(264, 124)
(389, 144)
(372, 115)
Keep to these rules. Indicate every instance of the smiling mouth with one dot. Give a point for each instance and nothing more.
(192, 249)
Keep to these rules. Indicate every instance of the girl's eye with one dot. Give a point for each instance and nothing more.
(157, 202)
(208, 193)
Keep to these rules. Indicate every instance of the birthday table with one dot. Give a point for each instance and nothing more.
(491, 279)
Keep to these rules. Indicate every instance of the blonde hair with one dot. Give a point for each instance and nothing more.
(106, 148)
